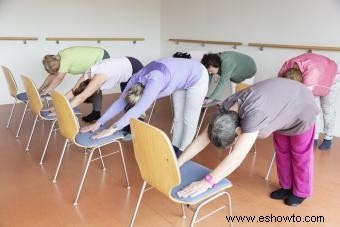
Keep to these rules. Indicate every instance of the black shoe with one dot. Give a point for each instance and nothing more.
(280, 194)
(95, 115)
(293, 200)
(178, 152)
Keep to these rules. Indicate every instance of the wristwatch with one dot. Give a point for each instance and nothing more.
(208, 178)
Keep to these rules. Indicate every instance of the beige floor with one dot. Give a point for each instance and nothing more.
(29, 198)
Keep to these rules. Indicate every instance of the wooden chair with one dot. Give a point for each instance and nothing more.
(69, 128)
(158, 167)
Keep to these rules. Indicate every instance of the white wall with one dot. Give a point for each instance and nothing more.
(305, 22)
(74, 18)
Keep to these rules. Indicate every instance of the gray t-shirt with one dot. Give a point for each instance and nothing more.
(276, 104)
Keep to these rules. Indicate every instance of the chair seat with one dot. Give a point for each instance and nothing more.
(45, 114)
(212, 103)
(190, 172)
(84, 139)
(23, 96)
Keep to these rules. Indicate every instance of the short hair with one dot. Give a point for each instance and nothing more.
(133, 95)
(211, 60)
(82, 86)
(48, 59)
(293, 74)
(222, 128)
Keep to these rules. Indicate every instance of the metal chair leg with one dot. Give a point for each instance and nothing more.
(47, 141)
(153, 107)
(200, 124)
(124, 166)
(29, 140)
(101, 158)
(184, 216)
(10, 116)
(83, 177)
(60, 160)
(22, 120)
(138, 203)
(270, 166)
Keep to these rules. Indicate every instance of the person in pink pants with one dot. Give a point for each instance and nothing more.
(284, 108)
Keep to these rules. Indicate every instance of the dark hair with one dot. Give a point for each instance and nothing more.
(211, 60)
(181, 55)
(82, 86)
(222, 128)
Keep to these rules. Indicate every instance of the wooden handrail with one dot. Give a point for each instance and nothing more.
(300, 47)
(98, 39)
(203, 42)
(24, 39)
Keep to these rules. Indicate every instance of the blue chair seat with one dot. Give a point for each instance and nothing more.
(84, 139)
(212, 103)
(23, 96)
(190, 172)
(45, 114)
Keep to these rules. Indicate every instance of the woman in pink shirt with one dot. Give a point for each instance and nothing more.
(320, 74)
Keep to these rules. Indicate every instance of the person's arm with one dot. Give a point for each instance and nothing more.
(195, 147)
(46, 82)
(226, 167)
(54, 83)
(91, 88)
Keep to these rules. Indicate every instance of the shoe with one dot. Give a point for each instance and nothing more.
(325, 145)
(178, 152)
(127, 137)
(280, 194)
(293, 200)
(95, 115)
(316, 142)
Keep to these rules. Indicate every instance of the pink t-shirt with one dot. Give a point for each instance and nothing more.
(318, 72)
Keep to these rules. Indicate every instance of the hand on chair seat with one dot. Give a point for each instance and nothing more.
(92, 127)
(104, 133)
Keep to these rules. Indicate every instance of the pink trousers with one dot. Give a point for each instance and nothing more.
(294, 160)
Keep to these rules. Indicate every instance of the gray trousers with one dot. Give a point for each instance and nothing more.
(327, 115)
(187, 109)
(97, 101)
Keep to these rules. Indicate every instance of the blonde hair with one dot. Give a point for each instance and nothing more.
(293, 74)
(134, 94)
(48, 59)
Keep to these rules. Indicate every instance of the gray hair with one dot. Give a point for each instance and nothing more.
(134, 94)
(222, 128)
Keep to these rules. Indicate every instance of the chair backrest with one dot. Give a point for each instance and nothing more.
(33, 96)
(67, 121)
(155, 157)
(12, 85)
(241, 86)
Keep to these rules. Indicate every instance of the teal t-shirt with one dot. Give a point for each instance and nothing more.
(235, 66)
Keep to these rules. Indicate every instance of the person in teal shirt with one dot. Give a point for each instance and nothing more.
(73, 60)
(229, 65)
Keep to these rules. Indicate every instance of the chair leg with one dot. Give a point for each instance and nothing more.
(83, 177)
(47, 142)
(184, 216)
(172, 107)
(254, 147)
(270, 166)
(29, 140)
(153, 107)
(22, 120)
(10, 116)
(124, 166)
(138, 203)
(201, 122)
(101, 158)
(60, 160)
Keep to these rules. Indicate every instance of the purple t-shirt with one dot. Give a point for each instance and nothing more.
(273, 105)
(160, 78)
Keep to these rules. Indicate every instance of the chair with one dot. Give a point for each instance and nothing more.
(158, 167)
(69, 128)
(13, 90)
(270, 166)
(205, 107)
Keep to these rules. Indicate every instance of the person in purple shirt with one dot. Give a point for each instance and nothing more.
(187, 80)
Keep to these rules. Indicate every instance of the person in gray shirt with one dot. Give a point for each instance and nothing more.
(277, 106)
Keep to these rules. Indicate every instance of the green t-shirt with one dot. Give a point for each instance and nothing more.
(76, 60)
(235, 66)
